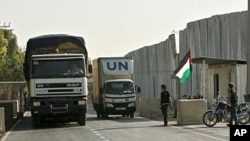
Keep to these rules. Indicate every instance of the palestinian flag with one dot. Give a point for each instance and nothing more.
(184, 69)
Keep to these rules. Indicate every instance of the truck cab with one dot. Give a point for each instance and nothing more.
(119, 97)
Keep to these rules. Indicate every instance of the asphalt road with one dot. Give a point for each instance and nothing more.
(116, 128)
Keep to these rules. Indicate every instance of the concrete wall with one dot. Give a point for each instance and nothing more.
(222, 37)
(2, 120)
(153, 66)
(219, 36)
(191, 111)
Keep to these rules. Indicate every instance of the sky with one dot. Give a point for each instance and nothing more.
(110, 27)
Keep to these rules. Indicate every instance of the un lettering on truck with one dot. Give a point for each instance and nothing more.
(113, 86)
(117, 66)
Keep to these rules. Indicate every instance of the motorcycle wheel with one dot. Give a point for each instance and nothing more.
(244, 119)
(209, 119)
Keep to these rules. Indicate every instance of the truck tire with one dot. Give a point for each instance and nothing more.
(82, 118)
(36, 123)
(105, 115)
(98, 114)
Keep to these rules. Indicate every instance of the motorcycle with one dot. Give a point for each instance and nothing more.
(219, 112)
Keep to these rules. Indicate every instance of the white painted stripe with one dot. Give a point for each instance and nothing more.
(191, 131)
(200, 134)
(97, 133)
(8, 132)
(14, 126)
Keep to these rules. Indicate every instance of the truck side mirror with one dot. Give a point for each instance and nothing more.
(101, 90)
(90, 69)
(25, 71)
(138, 89)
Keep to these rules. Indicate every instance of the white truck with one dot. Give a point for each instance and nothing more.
(56, 92)
(113, 87)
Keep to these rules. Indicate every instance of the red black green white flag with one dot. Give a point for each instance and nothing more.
(184, 68)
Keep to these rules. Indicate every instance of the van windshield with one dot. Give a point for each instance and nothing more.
(119, 88)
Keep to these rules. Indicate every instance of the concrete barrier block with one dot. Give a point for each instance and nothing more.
(15, 106)
(8, 114)
(191, 111)
(2, 120)
(149, 107)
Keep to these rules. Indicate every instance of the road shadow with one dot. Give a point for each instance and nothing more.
(26, 124)
(119, 119)
(131, 127)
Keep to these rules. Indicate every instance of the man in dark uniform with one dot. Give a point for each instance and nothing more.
(165, 101)
(233, 100)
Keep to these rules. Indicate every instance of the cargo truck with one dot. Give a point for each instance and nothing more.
(58, 92)
(113, 86)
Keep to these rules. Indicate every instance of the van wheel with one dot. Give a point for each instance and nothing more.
(82, 118)
(132, 115)
(98, 114)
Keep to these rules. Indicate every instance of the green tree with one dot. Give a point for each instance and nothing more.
(3, 50)
(11, 64)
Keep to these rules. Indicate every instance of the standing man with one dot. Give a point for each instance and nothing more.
(233, 100)
(165, 101)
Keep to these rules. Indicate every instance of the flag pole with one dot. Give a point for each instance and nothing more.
(204, 74)
(191, 84)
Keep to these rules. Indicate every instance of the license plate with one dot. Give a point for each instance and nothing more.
(121, 108)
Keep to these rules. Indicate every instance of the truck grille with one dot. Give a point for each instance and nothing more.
(121, 104)
(61, 90)
(58, 94)
(59, 108)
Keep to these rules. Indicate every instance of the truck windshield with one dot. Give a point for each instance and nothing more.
(58, 68)
(119, 88)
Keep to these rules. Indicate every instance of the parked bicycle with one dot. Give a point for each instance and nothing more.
(219, 112)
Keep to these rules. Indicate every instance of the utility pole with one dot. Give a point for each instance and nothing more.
(4, 25)
(248, 48)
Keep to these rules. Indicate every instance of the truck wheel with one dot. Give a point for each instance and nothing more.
(36, 123)
(82, 118)
(98, 114)
(105, 115)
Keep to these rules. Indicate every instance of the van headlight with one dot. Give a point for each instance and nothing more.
(131, 104)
